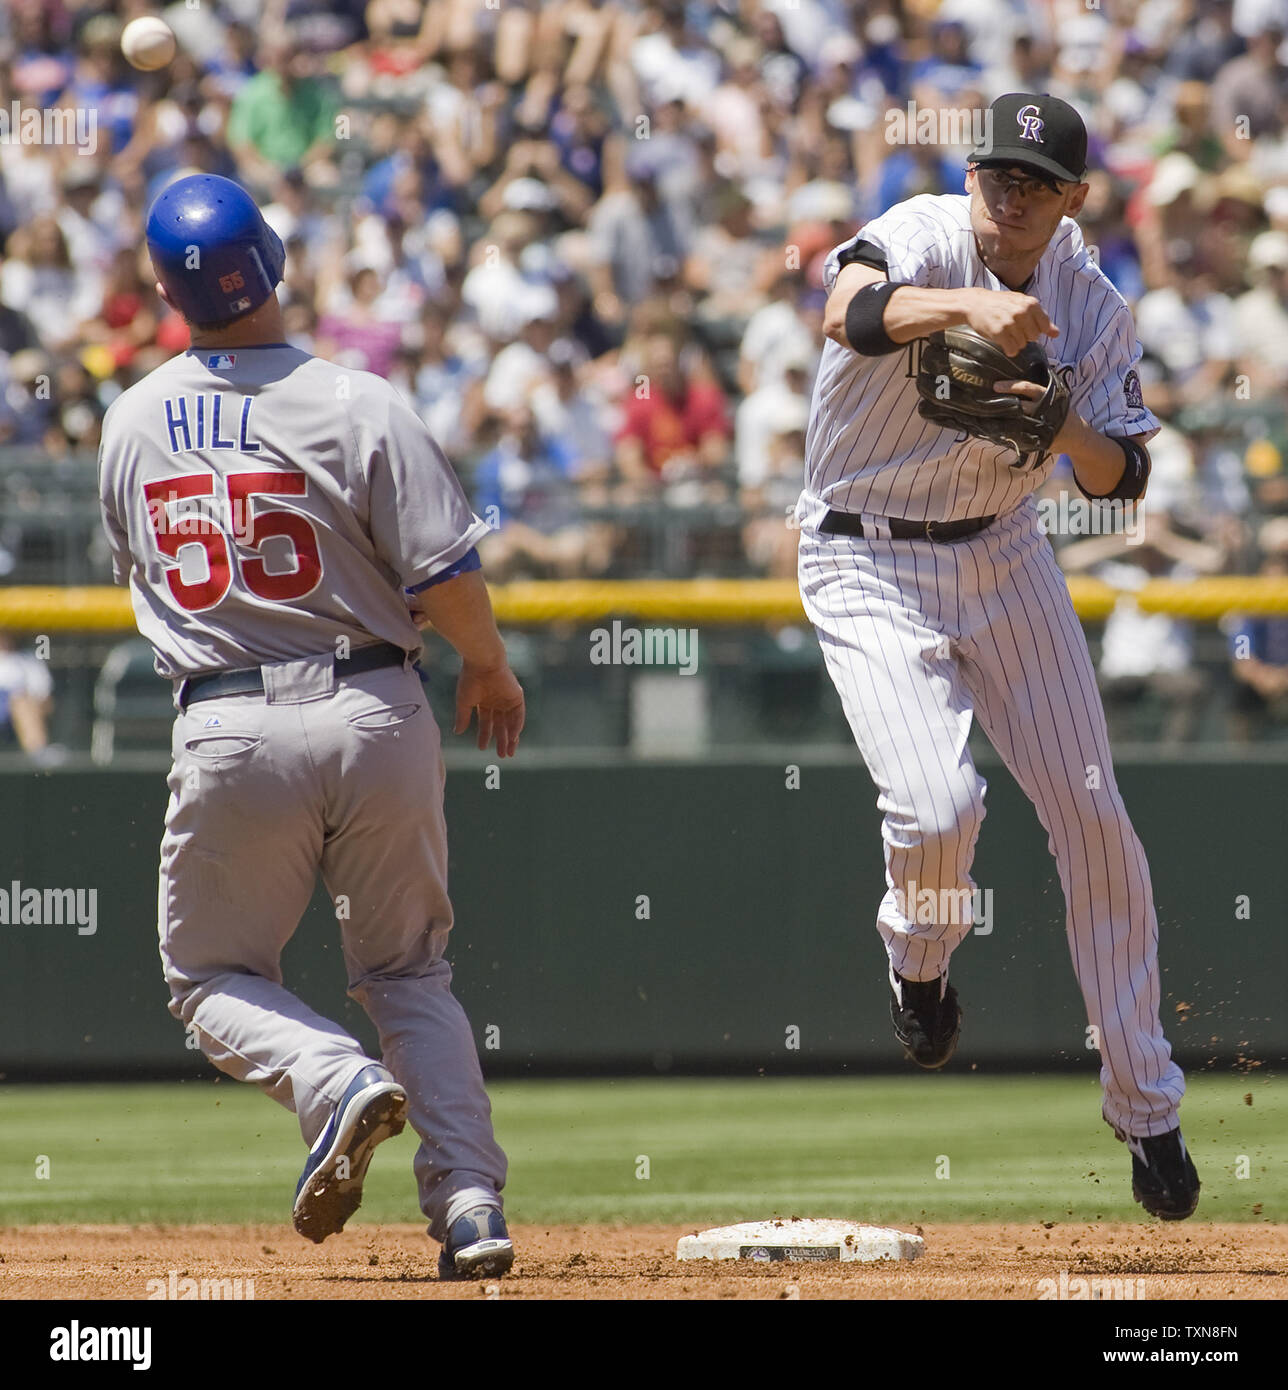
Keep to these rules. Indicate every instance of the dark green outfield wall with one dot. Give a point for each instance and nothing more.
(760, 920)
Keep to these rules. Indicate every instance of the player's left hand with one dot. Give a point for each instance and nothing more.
(1031, 391)
(498, 698)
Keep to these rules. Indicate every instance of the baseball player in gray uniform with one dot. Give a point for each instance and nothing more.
(285, 526)
(937, 598)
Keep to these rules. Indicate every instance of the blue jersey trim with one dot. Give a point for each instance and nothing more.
(469, 561)
(242, 347)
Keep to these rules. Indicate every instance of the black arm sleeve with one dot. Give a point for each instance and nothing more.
(864, 253)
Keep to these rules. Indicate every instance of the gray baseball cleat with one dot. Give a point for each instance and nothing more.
(477, 1247)
(372, 1109)
(927, 1019)
(1163, 1177)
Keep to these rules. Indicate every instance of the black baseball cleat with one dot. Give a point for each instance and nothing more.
(927, 1019)
(1163, 1178)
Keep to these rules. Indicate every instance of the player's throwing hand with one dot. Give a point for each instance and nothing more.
(1009, 319)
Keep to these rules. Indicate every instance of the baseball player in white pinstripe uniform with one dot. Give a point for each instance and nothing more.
(937, 598)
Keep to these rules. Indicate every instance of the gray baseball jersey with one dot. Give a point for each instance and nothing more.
(265, 503)
(868, 450)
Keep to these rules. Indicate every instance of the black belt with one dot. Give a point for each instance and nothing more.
(251, 680)
(848, 524)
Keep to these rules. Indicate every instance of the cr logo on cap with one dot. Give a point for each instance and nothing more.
(1029, 119)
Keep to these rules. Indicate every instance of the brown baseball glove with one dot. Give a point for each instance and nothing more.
(956, 377)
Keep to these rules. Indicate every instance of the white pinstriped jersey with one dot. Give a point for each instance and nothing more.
(868, 450)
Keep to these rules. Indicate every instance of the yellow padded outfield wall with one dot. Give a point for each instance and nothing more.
(723, 601)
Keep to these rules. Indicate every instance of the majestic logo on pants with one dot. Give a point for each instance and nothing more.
(1029, 119)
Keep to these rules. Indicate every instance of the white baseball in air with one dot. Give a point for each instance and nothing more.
(148, 43)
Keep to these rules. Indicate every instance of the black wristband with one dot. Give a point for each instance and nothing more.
(865, 320)
(1131, 486)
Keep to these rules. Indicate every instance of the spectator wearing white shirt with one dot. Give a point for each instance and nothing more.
(1146, 653)
(669, 61)
(733, 109)
(1188, 328)
(39, 280)
(1261, 315)
(26, 699)
(522, 365)
(768, 499)
(757, 419)
(494, 288)
(91, 220)
(782, 331)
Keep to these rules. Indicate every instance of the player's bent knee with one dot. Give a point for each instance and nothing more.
(936, 851)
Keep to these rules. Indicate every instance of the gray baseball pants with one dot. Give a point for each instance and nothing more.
(345, 777)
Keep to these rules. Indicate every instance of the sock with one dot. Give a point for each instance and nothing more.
(466, 1200)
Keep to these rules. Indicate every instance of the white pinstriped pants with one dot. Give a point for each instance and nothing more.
(919, 638)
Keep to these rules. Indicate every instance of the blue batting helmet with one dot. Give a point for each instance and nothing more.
(212, 250)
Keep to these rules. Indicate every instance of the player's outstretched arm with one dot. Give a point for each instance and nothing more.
(461, 610)
(912, 311)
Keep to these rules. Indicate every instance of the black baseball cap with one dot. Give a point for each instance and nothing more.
(1039, 132)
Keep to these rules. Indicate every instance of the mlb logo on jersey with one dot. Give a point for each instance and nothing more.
(221, 361)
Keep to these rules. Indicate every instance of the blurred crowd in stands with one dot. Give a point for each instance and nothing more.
(586, 238)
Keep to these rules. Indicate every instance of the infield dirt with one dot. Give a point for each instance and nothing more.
(1182, 1261)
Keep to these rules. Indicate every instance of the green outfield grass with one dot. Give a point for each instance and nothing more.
(1020, 1148)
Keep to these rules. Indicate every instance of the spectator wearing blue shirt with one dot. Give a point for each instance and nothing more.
(909, 171)
(949, 70)
(103, 82)
(443, 383)
(526, 489)
(1259, 650)
(578, 130)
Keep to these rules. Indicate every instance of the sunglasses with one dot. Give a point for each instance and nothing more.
(1002, 182)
